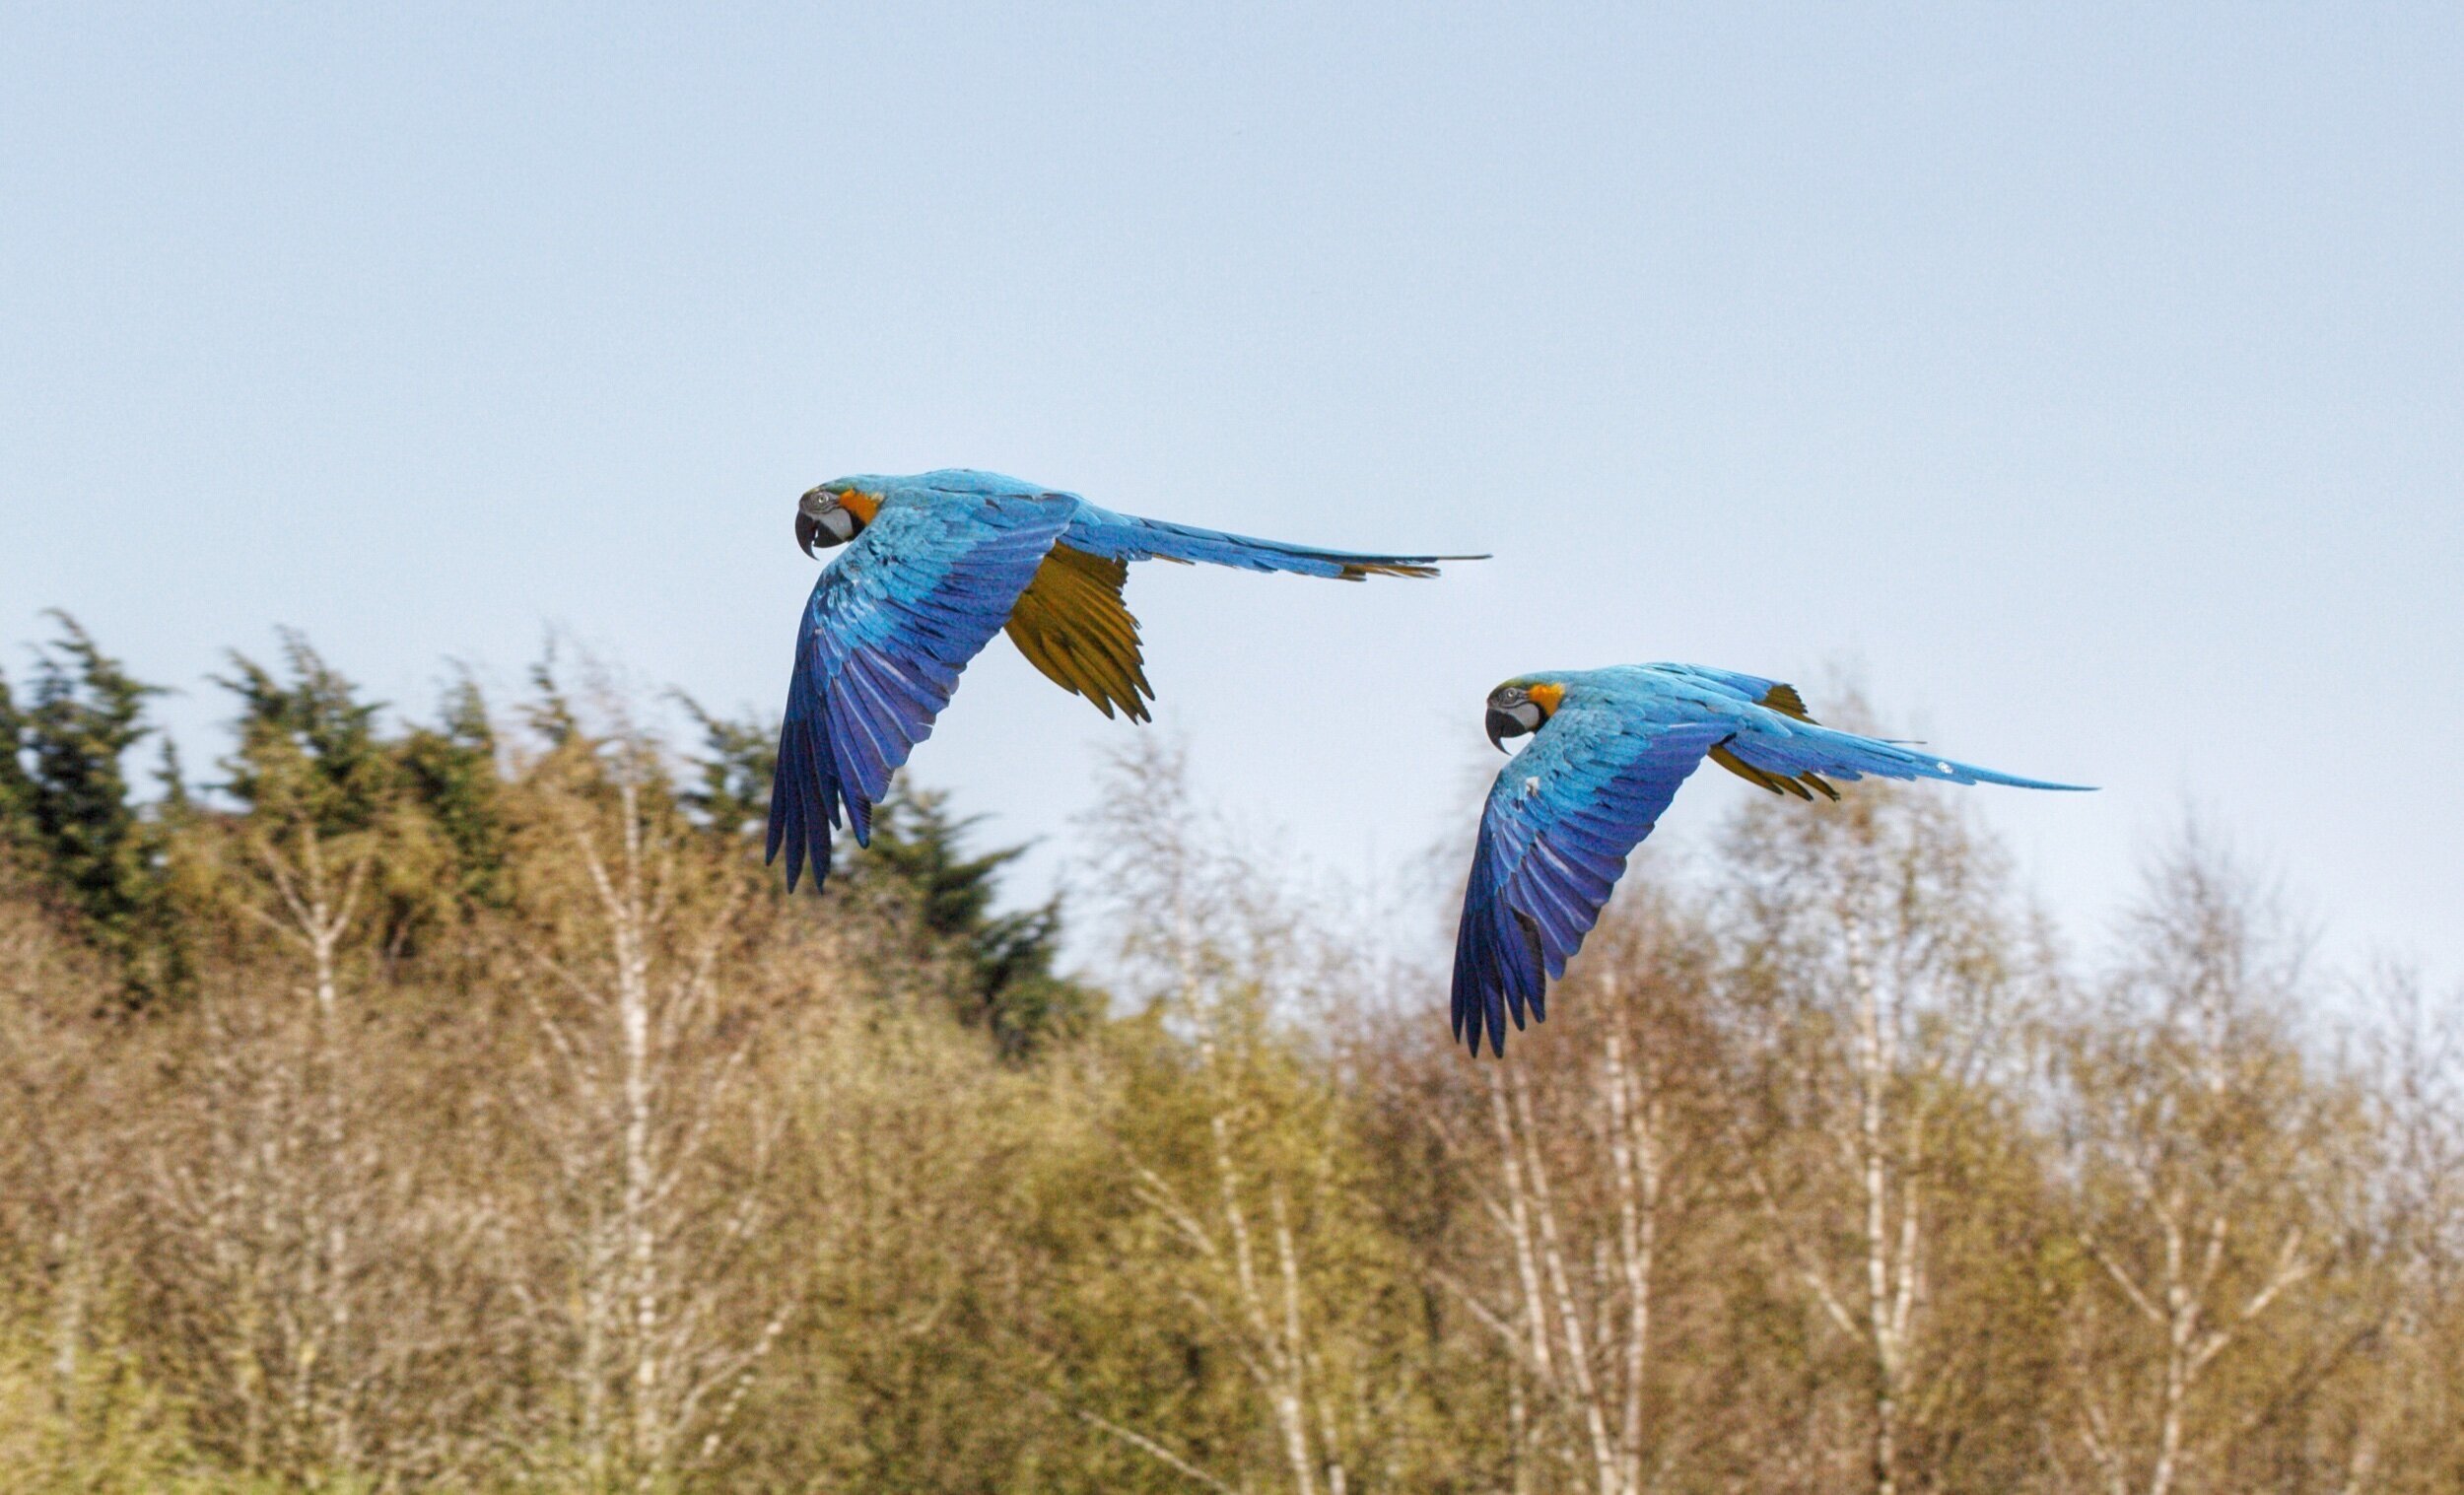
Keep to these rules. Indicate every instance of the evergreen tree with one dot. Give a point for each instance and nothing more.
(1008, 955)
(309, 749)
(64, 796)
(733, 795)
(314, 761)
(449, 770)
(916, 850)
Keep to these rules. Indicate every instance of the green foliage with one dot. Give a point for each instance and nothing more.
(65, 803)
(1006, 958)
(450, 770)
(419, 809)
(1006, 983)
(733, 793)
(308, 752)
(90, 1423)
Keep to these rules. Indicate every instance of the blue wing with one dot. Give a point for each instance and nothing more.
(1126, 537)
(1752, 689)
(889, 627)
(1788, 748)
(1560, 821)
(1785, 750)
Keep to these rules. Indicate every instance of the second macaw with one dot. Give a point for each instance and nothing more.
(936, 564)
(1609, 749)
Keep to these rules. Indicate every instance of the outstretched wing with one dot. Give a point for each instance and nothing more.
(1793, 751)
(1072, 623)
(1779, 696)
(1126, 537)
(1791, 756)
(1562, 819)
(887, 631)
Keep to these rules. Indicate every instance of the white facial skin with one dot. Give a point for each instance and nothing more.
(821, 519)
(1512, 712)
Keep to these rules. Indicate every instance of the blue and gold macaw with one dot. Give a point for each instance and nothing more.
(939, 563)
(1609, 749)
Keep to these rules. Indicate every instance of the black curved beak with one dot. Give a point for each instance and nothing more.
(806, 529)
(1501, 727)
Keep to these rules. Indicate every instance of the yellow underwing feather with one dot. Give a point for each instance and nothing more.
(1776, 784)
(1359, 569)
(1784, 700)
(1072, 623)
(1744, 769)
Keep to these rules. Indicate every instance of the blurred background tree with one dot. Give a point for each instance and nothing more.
(67, 810)
(460, 1104)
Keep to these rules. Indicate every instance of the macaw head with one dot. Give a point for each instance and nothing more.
(1521, 707)
(832, 513)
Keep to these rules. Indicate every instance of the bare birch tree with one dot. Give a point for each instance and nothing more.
(2208, 1177)
(657, 1143)
(1583, 1155)
(1876, 973)
(1252, 1215)
(61, 1196)
(277, 1198)
(2408, 1404)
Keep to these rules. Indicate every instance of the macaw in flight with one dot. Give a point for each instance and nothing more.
(939, 562)
(1609, 749)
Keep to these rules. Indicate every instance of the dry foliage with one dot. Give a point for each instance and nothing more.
(615, 1170)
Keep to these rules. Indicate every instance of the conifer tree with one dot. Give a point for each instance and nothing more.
(418, 812)
(739, 755)
(449, 770)
(918, 850)
(1008, 957)
(64, 796)
(308, 748)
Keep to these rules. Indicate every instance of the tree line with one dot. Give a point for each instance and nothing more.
(457, 1103)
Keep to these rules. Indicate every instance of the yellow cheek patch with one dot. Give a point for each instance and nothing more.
(1547, 697)
(861, 504)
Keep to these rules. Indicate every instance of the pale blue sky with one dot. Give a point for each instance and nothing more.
(2089, 377)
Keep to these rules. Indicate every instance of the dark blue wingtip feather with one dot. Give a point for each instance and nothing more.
(802, 798)
(1498, 967)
